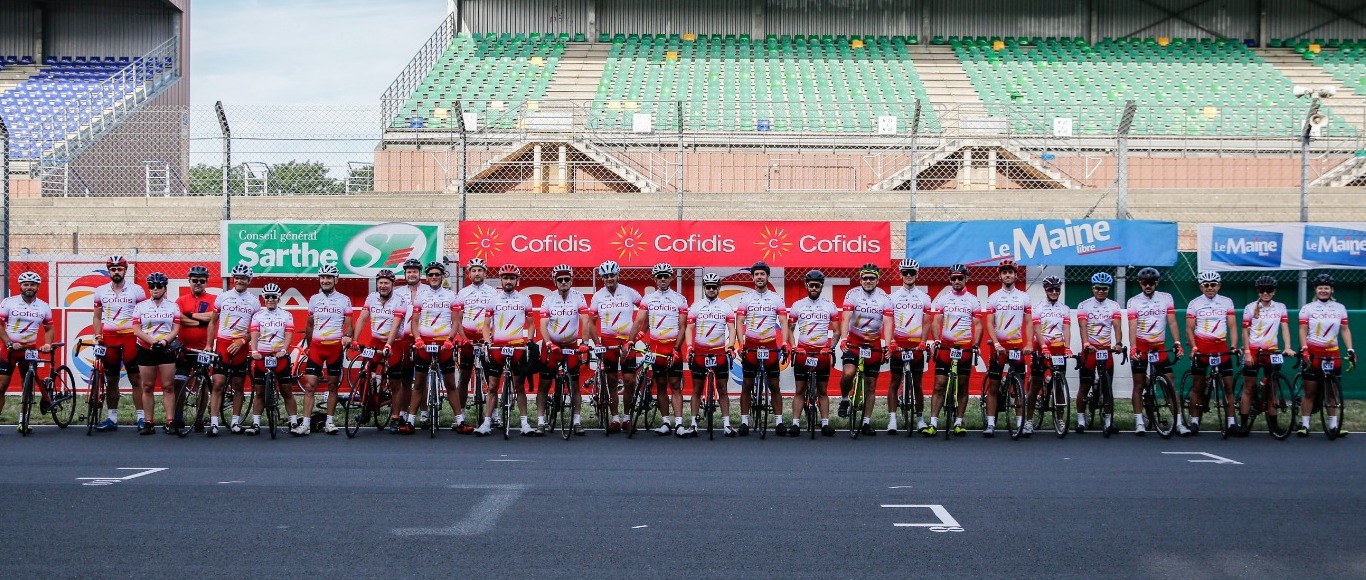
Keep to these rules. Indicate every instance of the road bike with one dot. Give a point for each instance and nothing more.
(643, 410)
(953, 386)
(597, 389)
(196, 393)
(99, 389)
(1010, 394)
(1272, 395)
(1102, 392)
(1212, 388)
(559, 407)
(1059, 401)
(908, 400)
(761, 401)
(368, 387)
(57, 390)
(1159, 395)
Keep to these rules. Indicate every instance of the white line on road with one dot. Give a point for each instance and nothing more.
(482, 516)
(113, 480)
(638, 527)
(1212, 457)
(900, 487)
(508, 460)
(946, 522)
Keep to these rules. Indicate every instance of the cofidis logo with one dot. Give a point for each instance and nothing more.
(1335, 246)
(1238, 247)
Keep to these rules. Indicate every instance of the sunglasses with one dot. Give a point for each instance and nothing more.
(118, 269)
(663, 277)
(711, 287)
(1147, 283)
(815, 285)
(1052, 289)
(198, 280)
(1210, 285)
(508, 277)
(957, 278)
(869, 279)
(1101, 288)
(563, 280)
(156, 286)
(909, 272)
(270, 297)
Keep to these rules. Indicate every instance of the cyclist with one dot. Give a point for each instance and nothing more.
(230, 335)
(1151, 314)
(271, 333)
(861, 325)
(385, 311)
(906, 318)
(433, 322)
(509, 325)
(474, 299)
(1261, 320)
(196, 318)
(22, 316)
(327, 335)
(711, 322)
(412, 291)
(563, 322)
(955, 312)
(1209, 320)
(1322, 322)
(113, 312)
(156, 324)
(660, 323)
(1098, 317)
(614, 307)
(760, 323)
(1052, 322)
(1006, 311)
(812, 323)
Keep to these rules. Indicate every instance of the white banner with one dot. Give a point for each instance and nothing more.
(1282, 246)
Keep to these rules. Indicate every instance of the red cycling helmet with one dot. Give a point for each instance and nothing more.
(510, 270)
(1006, 264)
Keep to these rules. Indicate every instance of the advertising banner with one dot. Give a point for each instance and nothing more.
(1043, 242)
(1281, 246)
(357, 249)
(680, 243)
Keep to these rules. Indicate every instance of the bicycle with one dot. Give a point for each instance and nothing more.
(98, 387)
(642, 404)
(1271, 392)
(58, 389)
(811, 402)
(600, 397)
(1102, 391)
(1329, 394)
(1010, 396)
(366, 386)
(1212, 388)
(910, 384)
(1159, 396)
(562, 396)
(269, 391)
(952, 386)
(436, 389)
(1060, 398)
(198, 388)
(858, 391)
(478, 383)
(507, 401)
(760, 402)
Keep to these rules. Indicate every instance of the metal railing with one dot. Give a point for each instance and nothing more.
(408, 79)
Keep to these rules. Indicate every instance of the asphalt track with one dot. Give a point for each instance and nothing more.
(388, 506)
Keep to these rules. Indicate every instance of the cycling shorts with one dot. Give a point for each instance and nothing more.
(551, 356)
(872, 359)
(902, 354)
(749, 361)
(666, 363)
(699, 360)
(324, 356)
(445, 359)
(942, 362)
(613, 360)
(235, 366)
(120, 349)
(812, 364)
(1163, 365)
(282, 369)
(997, 365)
(151, 357)
(1261, 359)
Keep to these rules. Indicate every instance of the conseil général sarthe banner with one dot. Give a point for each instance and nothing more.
(1281, 246)
(1063, 242)
(357, 249)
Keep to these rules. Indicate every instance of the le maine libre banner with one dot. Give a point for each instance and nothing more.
(1281, 246)
(358, 249)
(681, 243)
(1043, 242)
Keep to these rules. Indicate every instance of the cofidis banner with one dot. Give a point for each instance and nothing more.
(1043, 242)
(1281, 246)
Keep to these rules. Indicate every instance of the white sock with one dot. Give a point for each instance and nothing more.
(329, 420)
(825, 422)
(1108, 419)
(1332, 422)
(1138, 421)
(213, 421)
(1081, 419)
(744, 419)
(958, 422)
(891, 421)
(1304, 420)
(236, 419)
(934, 421)
(540, 421)
(424, 417)
(114, 415)
(795, 421)
(866, 421)
(256, 420)
(578, 419)
(291, 420)
(991, 422)
(1195, 420)
(525, 423)
(485, 423)
(725, 421)
(1231, 422)
(142, 415)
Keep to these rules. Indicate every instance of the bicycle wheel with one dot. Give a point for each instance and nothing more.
(436, 385)
(63, 408)
(1160, 399)
(1283, 396)
(271, 407)
(201, 386)
(640, 403)
(94, 401)
(950, 403)
(856, 405)
(759, 407)
(351, 407)
(1215, 390)
(478, 384)
(507, 400)
(1105, 390)
(908, 383)
(1014, 405)
(982, 399)
(26, 403)
(182, 409)
(1330, 396)
(1061, 402)
(1094, 413)
(709, 404)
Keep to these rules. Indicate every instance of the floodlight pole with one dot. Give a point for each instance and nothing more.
(1304, 186)
(464, 143)
(1126, 120)
(915, 132)
(4, 176)
(679, 110)
(227, 156)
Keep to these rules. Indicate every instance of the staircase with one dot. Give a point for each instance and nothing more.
(947, 161)
(943, 77)
(580, 69)
(1348, 173)
(518, 166)
(1305, 73)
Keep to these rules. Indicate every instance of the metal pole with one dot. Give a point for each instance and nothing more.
(679, 109)
(915, 173)
(1122, 161)
(227, 157)
(464, 143)
(4, 176)
(1304, 186)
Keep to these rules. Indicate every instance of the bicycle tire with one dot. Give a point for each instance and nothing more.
(1330, 390)
(982, 399)
(1284, 394)
(182, 406)
(759, 407)
(1094, 411)
(1062, 413)
(604, 403)
(506, 401)
(359, 388)
(951, 401)
(436, 385)
(1163, 400)
(856, 404)
(26, 402)
(1104, 388)
(640, 403)
(1015, 404)
(810, 405)
(94, 401)
(1215, 391)
(909, 382)
(63, 408)
(271, 406)
(478, 384)
(201, 385)
(709, 404)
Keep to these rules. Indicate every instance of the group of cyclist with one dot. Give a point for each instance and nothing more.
(418, 325)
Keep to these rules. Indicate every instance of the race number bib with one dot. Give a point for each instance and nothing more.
(1215, 360)
(367, 353)
(507, 351)
(865, 352)
(812, 362)
(569, 351)
(1328, 364)
(270, 362)
(955, 354)
(599, 350)
(907, 355)
(1277, 359)
(1059, 361)
(433, 348)
(1102, 355)
(100, 350)
(709, 361)
(1154, 357)
(204, 358)
(761, 354)
(649, 358)
(30, 354)
(1013, 355)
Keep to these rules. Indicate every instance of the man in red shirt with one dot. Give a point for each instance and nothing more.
(196, 315)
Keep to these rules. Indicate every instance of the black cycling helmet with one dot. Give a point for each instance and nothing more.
(385, 274)
(157, 279)
(1052, 283)
(197, 272)
(1149, 275)
(958, 269)
(412, 264)
(1266, 283)
(815, 276)
(760, 266)
(1324, 280)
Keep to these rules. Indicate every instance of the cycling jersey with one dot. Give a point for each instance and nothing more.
(813, 318)
(663, 309)
(118, 306)
(615, 312)
(867, 308)
(507, 314)
(434, 312)
(1150, 319)
(22, 320)
(475, 300)
(385, 315)
(156, 318)
(194, 336)
(1052, 317)
(760, 312)
(1009, 310)
(1263, 322)
(1097, 319)
(709, 318)
(908, 310)
(235, 310)
(1209, 320)
(959, 310)
(561, 314)
(1325, 321)
(272, 324)
(329, 310)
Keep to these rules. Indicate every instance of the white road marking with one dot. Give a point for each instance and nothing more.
(638, 527)
(509, 460)
(945, 523)
(482, 516)
(232, 482)
(1212, 457)
(900, 487)
(113, 480)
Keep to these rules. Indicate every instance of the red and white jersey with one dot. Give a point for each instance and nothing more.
(1097, 319)
(435, 313)
(118, 306)
(272, 324)
(615, 311)
(663, 310)
(1009, 310)
(156, 318)
(960, 310)
(1052, 318)
(23, 320)
(867, 308)
(508, 315)
(710, 319)
(1150, 317)
(235, 310)
(1325, 321)
(561, 315)
(1263, 322)
(761, 314)
(908, 310)
(385, 315)
(1209, 320)
(329, 311)
(813, 320)
(475, 300)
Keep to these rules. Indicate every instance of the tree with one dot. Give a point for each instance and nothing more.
(294, 177)
(208, 180)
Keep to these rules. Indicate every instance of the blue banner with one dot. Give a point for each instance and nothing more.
(1043, 242)
(1281, 246)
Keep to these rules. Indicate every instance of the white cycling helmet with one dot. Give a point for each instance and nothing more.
(30, 277)
(327, 270)
(711, 279)
(271, 289)
(242, 269)
(662, 268)
(477, 263)
(1209, 276)
(609, 268)
(909, 264)
(561, 269)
